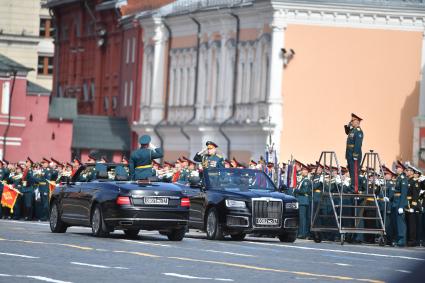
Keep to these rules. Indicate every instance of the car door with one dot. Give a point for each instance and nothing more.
(87, 190)
(70, 203)
(196, 195)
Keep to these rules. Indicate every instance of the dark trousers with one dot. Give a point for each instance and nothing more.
(411, 218)
(354, 171)
(400, 226)
(29, 203)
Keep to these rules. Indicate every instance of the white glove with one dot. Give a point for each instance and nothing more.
(421, 192)
(321, 179)
(411, 210)
(337, 179)
(400, 211)
(421, 178)
(355, 158)
(386, 199)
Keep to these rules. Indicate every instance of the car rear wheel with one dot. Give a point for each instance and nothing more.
(177, 234)
(213, 227)
(131, 233)
(288, 237)
(98, 226)
(238, 237)
(56, 223)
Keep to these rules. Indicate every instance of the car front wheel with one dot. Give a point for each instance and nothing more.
(56, 223)
(98, 226)
(288, 237)
(213, 227)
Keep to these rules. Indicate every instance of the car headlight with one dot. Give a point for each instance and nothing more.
(235, 203)
(291, 205)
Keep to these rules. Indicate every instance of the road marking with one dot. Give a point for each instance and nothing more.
(138, 253)
(40, 278)
(244, 266)
(336, 251)
(229, 253)
(343, 264)
(18, 255)
(403, 271)
(97, 265)
(144, 243)
(102, 250)
(44, 243)
(197, 278)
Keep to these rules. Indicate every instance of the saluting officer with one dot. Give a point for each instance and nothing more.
(353, 152)
(209, 157)
(141, 160)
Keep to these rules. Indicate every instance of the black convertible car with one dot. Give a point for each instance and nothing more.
(106, 201)
(237, 202)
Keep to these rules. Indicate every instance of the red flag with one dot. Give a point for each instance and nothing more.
(52, 187)
(294, 176)
(176, 177)
(9, 196)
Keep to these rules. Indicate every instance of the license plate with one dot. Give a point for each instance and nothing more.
(267, 221)
(156, 201)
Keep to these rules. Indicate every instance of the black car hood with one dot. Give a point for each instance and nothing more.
(241, 194)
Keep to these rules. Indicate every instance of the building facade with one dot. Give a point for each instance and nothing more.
(238, 71)
(26, 36)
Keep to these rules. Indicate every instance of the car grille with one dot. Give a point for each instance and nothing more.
(267, 213)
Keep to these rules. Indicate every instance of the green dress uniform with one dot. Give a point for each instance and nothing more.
(42, 206)
(4, 176)
(210, 161)
(412, 211)
(16, 181)
(303, 195)
(398, 204)
(141, 160)
(353, 154)
(28, 191)
(389, 229)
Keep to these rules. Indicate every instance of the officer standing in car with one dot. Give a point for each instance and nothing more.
(141, 160)
(209, 157)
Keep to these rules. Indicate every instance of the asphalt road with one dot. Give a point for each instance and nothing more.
(29, 252)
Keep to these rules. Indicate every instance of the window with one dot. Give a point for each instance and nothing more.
(46, 28)
(92, 91)
(106, 104)
(5, 98)
(125, 93)
(114, 102)
(133, 50)
(45, 65)
(85, 91)
(130, 95)
(127, 57)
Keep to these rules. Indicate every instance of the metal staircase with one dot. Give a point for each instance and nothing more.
(340, 210)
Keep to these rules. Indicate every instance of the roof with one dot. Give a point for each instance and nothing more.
(62, 108)
(35, 89)
(106, 4)
(9, 65)
(101, 132)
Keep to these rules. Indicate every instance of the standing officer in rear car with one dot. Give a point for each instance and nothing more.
(141, 160)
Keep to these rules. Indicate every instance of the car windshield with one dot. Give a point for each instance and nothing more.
(238, 179)
(101, 171)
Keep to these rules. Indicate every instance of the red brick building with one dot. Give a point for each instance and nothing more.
(98, 55)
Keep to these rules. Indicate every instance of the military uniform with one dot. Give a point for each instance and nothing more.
(303, 195)
(28, 192)
(141, 160)
(353, 153)
(16, 181)
(4, 175)
(412, 210)
(210, 160)
(398, 204)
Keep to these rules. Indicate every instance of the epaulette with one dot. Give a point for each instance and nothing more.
(219, 156)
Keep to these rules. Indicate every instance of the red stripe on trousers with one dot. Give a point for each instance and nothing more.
(356, 179)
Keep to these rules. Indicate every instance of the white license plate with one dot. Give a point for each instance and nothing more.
(267, 221)
(156, 201)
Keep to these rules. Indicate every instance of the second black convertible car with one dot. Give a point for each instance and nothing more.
(237, 202)
(100, 198)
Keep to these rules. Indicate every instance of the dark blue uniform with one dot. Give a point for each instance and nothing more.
(141, 163)
(353, 154)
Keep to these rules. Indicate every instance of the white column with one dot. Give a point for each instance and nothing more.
(276, 75)
(158, 73)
